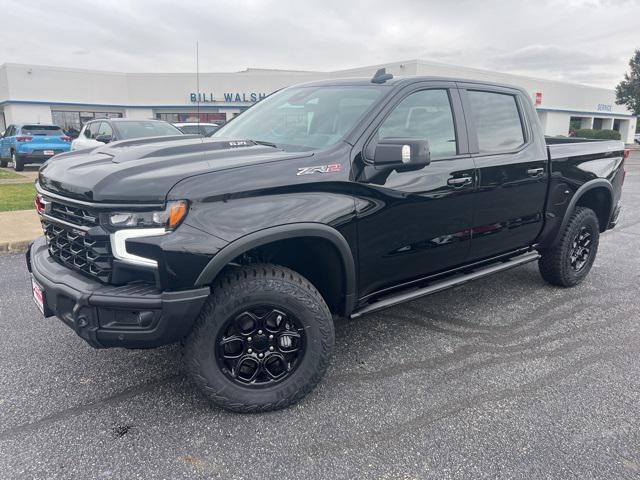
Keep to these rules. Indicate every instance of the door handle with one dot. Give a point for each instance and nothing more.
(535, 172)
(458, 182)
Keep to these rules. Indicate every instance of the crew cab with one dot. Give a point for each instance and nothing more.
(31, 144)
(333, 198)
(102, 131)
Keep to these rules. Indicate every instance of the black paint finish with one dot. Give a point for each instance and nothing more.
(398, 225)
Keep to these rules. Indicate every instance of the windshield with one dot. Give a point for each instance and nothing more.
(303, 117)
(141, 129)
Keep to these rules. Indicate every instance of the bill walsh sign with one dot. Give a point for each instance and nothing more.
(226, 97)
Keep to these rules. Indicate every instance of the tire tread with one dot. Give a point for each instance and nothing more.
(552, 264)
(226, 287)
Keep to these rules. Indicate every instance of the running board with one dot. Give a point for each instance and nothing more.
(446, 283)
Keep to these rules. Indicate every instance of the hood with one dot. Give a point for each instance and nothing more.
(144, 170)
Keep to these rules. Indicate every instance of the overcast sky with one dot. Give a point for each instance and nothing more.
(580, 41)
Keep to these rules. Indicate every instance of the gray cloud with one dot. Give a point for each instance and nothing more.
(586, 41)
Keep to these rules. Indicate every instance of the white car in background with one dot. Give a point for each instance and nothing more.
(101, 131)
(194, 128)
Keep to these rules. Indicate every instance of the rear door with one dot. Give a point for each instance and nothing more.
(413, 223)
(512, 169)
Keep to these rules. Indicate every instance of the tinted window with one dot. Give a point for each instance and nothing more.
(190, 129)
(41, 130)
(104, 129)
(89, 130)
(497, 121)
(424, 115)
(207, 129)
(141, 129)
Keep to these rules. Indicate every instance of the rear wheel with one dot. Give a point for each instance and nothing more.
(3, 163)
(18, 163)
(262, 342)
(568, 263)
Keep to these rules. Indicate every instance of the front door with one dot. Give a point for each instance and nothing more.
(512, 170)
(413, 223)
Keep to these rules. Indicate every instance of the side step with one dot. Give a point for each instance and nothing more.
(446, 283)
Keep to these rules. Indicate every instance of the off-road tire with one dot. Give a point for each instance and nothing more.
(236, 291)
(555, 265)
(18, 162)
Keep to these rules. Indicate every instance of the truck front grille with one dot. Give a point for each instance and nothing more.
(74, 242)
(74, 214)
(73, 248)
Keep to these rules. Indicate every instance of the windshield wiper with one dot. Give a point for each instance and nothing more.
(262, 142)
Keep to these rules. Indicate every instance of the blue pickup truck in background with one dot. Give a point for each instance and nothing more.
(23, 144)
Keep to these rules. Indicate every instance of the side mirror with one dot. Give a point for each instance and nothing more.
(103, 138)
(402, 153)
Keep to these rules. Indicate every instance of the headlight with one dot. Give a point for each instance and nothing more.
(168, 218)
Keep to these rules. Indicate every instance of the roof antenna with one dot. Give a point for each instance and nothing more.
(381, 76)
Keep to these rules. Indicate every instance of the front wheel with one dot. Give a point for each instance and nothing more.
(263, 340)
(568, 262)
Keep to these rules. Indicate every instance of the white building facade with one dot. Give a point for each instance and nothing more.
(70, 97)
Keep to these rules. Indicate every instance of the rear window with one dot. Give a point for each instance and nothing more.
(497, 121)
(141, 129)
(190, 129)
(41, 130)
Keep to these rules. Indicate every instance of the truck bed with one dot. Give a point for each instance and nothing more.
(559, 148)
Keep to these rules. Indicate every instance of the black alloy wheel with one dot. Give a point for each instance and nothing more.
(568, 262)
(263, 339)
(580, 249)
(260, 346)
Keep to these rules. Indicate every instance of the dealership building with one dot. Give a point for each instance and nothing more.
(70, 97)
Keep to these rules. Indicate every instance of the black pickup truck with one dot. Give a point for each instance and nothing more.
(333, 198)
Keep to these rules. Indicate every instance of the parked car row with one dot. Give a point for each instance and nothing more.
(23, 144)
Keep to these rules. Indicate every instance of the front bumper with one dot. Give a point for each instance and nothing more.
(136, 315)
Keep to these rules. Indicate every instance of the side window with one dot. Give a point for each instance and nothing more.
(424, 115)
(497, 120)
(10, 131)
(104, 129)
(88, 130)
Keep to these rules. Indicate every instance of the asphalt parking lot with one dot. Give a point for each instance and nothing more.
(505, 377)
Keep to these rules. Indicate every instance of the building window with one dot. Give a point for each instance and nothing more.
(72, 122)
(616, 124)
(597, 123)
(189, 117)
